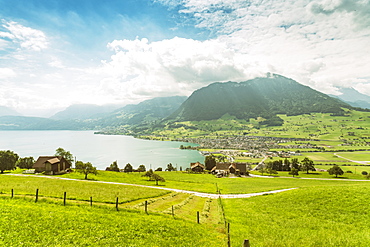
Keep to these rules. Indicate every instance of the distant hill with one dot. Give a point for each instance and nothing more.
(84, 111)
(6, 111)
(36, 123)
(353, 97)
(79, 117)
(260, 97)
(146, 112)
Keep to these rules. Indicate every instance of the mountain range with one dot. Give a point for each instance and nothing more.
(260, 97)
(353, 97)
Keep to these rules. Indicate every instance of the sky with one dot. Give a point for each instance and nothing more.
(56, 53)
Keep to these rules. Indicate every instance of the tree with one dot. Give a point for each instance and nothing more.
(7, 160)
(271, 171)
(25, 163)
(294, 163)
(65, 154)
(263, 170)
(209, 162)
(128, 168)
(170, 167)
(149, 174)
(307, 165)
(335, 170)
(113, 167)
(159, 169)
(294, 172)
(141, 168)
(157, 178)
(85, 168)
(286, 165)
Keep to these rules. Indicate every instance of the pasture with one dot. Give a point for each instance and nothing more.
(317, 213)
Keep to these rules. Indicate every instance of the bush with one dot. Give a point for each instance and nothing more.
(364, 173)
(349, 172)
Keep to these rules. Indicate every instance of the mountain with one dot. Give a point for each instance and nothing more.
(84, 111)
(259, 97)
(6, 111)
(354, 98)
(146, 112)
(36, 123)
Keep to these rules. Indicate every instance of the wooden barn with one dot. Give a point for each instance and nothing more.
(197, 167)
(51, 164)
(227, 168)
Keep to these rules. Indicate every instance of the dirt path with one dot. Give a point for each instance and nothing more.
(354, 161)
(200, 194)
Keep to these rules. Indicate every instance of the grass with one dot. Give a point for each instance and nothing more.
(334, 215)
(76, 190)
(318, 213)
(42, 224)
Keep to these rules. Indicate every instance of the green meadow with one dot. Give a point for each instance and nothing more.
(316, 213)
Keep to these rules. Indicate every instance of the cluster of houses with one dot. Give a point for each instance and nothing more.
(58, 165)
(223, 168)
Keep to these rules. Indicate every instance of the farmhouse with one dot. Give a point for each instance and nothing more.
(233, 168)
(51, 164)
(197, 167)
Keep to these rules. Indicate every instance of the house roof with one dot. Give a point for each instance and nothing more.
(223, 166)
(51, 159)
(193, 165)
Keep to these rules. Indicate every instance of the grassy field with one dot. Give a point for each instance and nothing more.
(25, 223)
(317, 213)
(334, 215)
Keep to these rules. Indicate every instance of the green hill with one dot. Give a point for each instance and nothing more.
(259, 97)
(146, 112)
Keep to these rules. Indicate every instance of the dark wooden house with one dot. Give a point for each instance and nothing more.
(233, 168)
(197, 167)
(51, 164)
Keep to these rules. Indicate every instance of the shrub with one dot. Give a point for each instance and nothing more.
(364, 173)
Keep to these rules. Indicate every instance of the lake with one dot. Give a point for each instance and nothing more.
(100, 150)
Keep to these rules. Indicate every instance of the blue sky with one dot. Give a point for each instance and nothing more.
(56, 53)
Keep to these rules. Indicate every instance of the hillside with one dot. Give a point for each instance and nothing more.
(36, 123)
(6, 111)
(260, 97)
(84, 111)
(146, 112)
(354, 98)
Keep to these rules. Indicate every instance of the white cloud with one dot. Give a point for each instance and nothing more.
(319, 43)
(28, 38)
(176, 66)
(6, 73)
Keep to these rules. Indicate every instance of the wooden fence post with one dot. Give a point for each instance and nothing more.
(91, 201)
(228, 235)
(117, 203)
(146, 207)
(12, 193)
(37, 195)
(246, 243)
(198, 217)
(64, 198)
(173, 212)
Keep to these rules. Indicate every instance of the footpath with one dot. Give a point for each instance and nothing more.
(200, 194)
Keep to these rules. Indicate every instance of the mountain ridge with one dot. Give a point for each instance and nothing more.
(259, 97)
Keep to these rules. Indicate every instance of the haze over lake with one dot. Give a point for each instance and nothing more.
(100, 150)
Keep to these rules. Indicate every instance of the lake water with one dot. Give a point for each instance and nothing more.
(100, 150)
